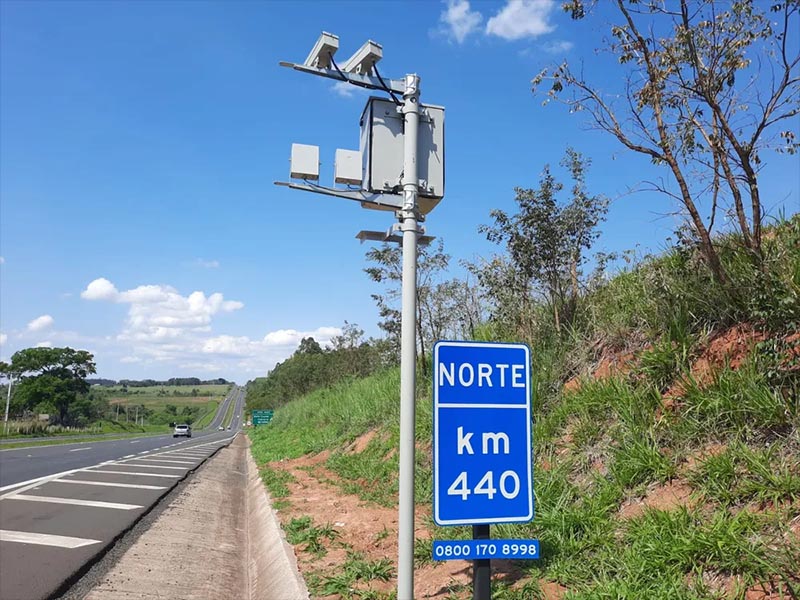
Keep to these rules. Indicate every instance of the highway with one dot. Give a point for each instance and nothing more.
(62, 506)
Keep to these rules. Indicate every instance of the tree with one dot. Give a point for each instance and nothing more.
(707, 85)
(53, 379)
(309, 346)
(546, 241)
(432, 261)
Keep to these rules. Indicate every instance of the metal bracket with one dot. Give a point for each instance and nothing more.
(367, 200)
(390, 235)
(367, 81)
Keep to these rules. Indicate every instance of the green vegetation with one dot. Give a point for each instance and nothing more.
(226, 421)
(301, 531)
(210, 409)
(729, 434)
(111, 408)
(311, 367)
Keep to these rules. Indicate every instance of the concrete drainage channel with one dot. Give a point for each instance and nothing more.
(214, 536)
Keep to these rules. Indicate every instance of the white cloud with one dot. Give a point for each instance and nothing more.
(557, 47)
(100, 289)
(46, 344)
(158, 313)
(207, 264)
(347, 90)
(40, 323)
(2, 260)
(172, 334)
(3, 338)
(522, 18)
(279, 343)
(459, 21)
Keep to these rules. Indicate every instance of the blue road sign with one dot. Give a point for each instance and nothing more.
(482, 468)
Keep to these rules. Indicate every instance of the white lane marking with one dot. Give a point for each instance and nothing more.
(141, 466)
(80, 449)
(167, 460)
(109, 484)
(135, 473)
(129, 456)
(74, 502)
(135, 441)
(45, 539)
(145, 452)
(194, 457)
(33, 482)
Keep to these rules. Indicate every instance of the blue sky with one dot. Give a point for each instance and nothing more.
(139, 143)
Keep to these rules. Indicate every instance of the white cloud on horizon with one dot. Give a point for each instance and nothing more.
(45, 344)
(165, 330)
(40, 323)
(3, 339)
(519, 19)
(458, 20)
(207, 264)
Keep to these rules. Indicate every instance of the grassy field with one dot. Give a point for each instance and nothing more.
(157, 397)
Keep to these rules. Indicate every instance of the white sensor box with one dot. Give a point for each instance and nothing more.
(347, 167)
(305, 162)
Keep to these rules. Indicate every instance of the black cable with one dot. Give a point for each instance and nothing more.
(386, 87)
(344, 77)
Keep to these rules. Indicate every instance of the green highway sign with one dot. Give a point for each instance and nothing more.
(262, 417)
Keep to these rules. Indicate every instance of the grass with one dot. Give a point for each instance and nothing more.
(207, 416)
(31, 443)
(349, 581)
(732, 438)
(229, 414)
(169, 391)
(619, 423)
(303, 531)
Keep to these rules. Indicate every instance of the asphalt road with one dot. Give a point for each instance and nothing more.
(62, 506)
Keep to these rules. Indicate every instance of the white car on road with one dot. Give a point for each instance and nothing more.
(182, 430)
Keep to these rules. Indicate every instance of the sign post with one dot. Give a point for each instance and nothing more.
(482, 463)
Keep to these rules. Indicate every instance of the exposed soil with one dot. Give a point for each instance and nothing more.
(729, 346)
(610, 365)
(662, 497)
(361, 527)
(372, 530)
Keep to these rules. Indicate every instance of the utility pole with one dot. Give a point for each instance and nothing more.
(374, 169)
(408, 353)
(8, 403)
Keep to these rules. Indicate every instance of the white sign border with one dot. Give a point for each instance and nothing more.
(528, 431)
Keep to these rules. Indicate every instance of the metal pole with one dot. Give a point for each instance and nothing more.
(8, 402)
(408, 352)
(481, 569)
